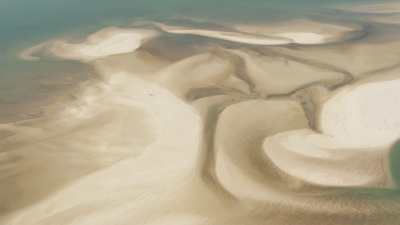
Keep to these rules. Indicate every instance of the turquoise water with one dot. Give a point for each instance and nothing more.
(24, 23)
(24, 20)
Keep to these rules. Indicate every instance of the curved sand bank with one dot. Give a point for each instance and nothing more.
(223, 136)
(318, 159)
(226, 35)
(304, 32)
(345, 115)
(358, 127)
(294, 32)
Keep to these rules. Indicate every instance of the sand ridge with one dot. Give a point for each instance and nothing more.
(227, 135)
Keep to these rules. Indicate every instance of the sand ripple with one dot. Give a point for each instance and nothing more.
(218, 134)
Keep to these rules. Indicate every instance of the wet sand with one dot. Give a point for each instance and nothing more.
(292, 129)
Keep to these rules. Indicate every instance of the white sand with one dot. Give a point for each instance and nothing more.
(106, 42)
(225, 35)
(306, 32)
(269, 35)
(113, 40)
(364, 116)
(359, 125)
(304, 37)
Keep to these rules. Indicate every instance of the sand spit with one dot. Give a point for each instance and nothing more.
(224, 136)
(107, 42)
(227, 35)
(113, 40)
(29, 53)
(358, 59)
(269, 36)
(302, 32)
(305, 32)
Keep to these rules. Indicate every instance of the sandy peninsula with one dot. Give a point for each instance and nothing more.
(106, 42)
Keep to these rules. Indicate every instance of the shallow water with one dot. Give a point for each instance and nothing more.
(237, 113)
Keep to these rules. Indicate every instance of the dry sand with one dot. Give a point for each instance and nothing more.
(293, 32)
(224, 136)
(303, 31)
(107, 42)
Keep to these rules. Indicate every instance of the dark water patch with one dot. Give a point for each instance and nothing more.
(176, 47)
(394, 161)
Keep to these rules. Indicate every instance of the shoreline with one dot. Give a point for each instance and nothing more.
(236, 129)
